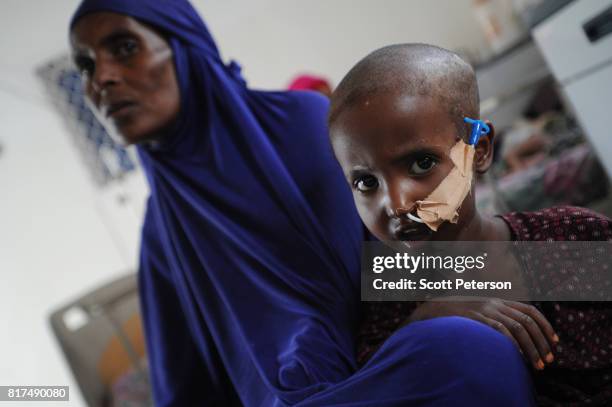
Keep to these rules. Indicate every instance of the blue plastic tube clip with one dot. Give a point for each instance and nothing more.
(478, 129)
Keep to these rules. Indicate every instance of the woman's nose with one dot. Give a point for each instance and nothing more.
(105, 75)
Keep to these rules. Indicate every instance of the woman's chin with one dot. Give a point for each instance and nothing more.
(126, 136)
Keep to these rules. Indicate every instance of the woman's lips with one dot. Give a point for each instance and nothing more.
(119, 108)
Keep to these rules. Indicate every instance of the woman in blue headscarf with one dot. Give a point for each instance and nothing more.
(249, 274)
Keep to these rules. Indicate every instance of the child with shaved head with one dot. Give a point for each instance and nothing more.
(398, 129)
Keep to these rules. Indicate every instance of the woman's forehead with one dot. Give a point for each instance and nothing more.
(92, 29)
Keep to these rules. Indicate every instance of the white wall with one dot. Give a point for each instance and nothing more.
(59, 236)
(53, 243)
(274, 39)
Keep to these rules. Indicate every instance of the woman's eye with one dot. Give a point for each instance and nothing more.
(422, 165)
(85, 66)
(126, 48)
(366, 184)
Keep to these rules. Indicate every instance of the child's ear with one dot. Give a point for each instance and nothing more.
(484, 150)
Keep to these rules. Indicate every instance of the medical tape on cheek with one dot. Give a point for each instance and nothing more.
(443, 204)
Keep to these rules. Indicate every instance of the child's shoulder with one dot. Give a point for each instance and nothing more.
(559, 223)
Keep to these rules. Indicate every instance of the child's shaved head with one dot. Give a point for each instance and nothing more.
(413, 70)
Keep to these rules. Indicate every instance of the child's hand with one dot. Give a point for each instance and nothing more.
(522, 323)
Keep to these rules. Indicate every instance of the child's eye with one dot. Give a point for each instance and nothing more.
(422, 165)
(366, 183)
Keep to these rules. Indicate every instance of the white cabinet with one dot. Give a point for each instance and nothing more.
(577, 45)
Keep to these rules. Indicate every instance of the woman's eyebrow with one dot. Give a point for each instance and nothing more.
(115, 36)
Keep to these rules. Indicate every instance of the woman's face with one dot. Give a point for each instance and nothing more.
(128, 75)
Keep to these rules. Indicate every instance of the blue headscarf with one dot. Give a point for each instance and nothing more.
(249, 270)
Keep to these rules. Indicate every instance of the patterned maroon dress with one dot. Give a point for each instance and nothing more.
(581, 374)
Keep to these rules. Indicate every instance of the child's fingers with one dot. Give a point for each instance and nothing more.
(520, 334)
(537, 316)
(532, 327)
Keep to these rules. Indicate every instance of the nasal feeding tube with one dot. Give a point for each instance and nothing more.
(478, 129)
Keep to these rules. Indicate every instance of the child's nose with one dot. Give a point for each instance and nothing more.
(398, 200)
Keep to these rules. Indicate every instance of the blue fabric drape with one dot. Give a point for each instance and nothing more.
(249, 272)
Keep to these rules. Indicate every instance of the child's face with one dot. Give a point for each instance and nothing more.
(394, 150)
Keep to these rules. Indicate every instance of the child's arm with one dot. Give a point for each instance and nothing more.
(524, 324)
